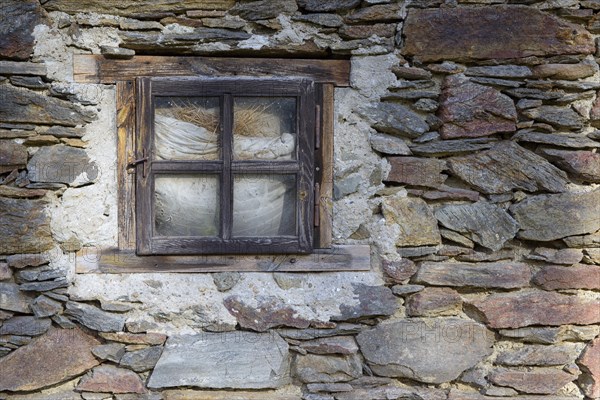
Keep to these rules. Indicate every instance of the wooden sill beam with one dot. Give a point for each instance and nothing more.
(99, 69)
(114, 261)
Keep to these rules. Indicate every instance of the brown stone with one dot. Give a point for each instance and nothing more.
(326, 6)
(434, 302)
(19, 261)
(313, 368)
(534, 382)
(506, 167)
(564, 71)
(366, 31)
(18, 18)
(331, 345)
(373, 301)
(472, 110)
(24, 226)
(376, 13)
(399, 271)
(505, 275)
(494, 32)
(578, 277)
(404, 72)
(59, 355)
(18, 193)
(139, 8)
(556, 256)
(584, 165)
(590, 364)
(135, 338)
(541, 355)
(262, 9)
(269, 313)
(417, 171)
(20, 105)
(12, 156)
(525, 308)
(110, 379)
(418, 225)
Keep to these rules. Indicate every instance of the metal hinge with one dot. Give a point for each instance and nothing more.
(134, 163)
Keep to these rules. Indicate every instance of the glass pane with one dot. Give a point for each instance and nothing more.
(264, 128)
(186, 128)
(264, 205)
(186, 205)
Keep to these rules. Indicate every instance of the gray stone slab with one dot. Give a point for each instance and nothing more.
(238, 360)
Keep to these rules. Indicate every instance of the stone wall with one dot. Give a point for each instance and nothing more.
(465, 156)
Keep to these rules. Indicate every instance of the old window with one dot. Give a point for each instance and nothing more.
(225, 165)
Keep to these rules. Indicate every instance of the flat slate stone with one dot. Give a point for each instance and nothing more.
(17, 21)
(331, 345)
(12, 156)
(313, 368)
(556, 256)
(138, 8)
(25, 326)
(25, 106)
(450, 147)
(550, 217)
(141, 360)
(552, 277)
(540, 355)
(590, 362)
(66, 353)
(472, 110)
(500, 71)
(398, 271)
(484, 223)
(503, 275)
(270, 312)
(583, 165)
(323, 19)
(417, 171)
(326, 6)
(525, 308)
(387, 144)
(12, 299)
(534, 382)
(61, 164)
(565, 71)
(434, 302)
(494, 32)
(239, 360)
(418, 226)
(24, 226)
(373, 301)
(569, 140)
(110, 379)
(396, 119)
(507, 167)
(426, 350)
(95, 318)
(263, 9)
(560, 117)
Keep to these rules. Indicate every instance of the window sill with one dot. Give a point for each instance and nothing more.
(93, 260)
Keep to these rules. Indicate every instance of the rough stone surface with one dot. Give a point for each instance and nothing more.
(141, 360)
(25, 106)
(417, 171)
(110, 379)
(399, 271)
(387, 144)
(225, 280)
(577, 277)
(143, 8)
(418, 226)
(223, 360)
(396, 119)
(44, 306)
(590, 364)
(500, 71)
(313, 368)
(525, 308)
(12, 156)
(331, 345)
(111, 351)
(484, 223)
(556, 256)
(505, 275)
(17, 21)
(430, 351)
(19, 261)
(373, 301)
(62, 164)
(95, 318)
(583, 165)
(65, 354)
(472, 110)
(451, 147)
(543, 382)
(25, 326)
(506, 167)
(434, 302)
(539, 355)
(268, 313)
(326, 6)
(12, 299)
(24, 226)
(565, 71)
(263, 9)
(569, 140)
(493, 32)
(135, 338)
(559, 117)
(550, 217)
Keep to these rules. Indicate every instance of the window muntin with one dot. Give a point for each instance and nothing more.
(230, 166)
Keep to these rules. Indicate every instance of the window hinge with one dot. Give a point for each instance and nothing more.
(318, 127)
(317, 213)
(134, 163)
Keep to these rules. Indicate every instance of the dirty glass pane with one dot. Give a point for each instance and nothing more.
(186, 128)
(264, 205)
(264, 128)
(186, 205)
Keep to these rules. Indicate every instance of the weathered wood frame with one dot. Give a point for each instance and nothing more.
(328, 74)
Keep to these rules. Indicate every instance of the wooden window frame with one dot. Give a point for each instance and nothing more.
(302, 166)
(326, 74)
